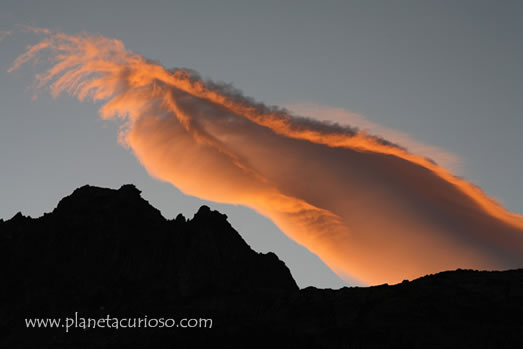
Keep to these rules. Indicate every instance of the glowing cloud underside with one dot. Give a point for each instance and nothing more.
(368, 208)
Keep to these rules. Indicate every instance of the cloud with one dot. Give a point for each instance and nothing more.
(366, 206)
(346, 118)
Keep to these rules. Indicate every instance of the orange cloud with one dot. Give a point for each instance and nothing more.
(369, 208)
(345, 117)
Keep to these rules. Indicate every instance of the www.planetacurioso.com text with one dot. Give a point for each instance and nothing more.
(110, 322)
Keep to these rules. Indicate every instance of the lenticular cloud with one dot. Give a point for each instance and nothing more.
(367, 207)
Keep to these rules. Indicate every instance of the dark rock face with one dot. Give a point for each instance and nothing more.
(104, 251)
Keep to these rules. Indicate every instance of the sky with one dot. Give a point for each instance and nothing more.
(442, 79)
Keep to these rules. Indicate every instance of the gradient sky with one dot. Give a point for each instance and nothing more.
(446, 74)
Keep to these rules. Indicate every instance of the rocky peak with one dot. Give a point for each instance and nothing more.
(115, 237)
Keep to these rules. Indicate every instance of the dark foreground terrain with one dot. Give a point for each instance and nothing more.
(108, 252)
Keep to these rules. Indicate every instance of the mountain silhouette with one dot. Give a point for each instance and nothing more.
(107, 252)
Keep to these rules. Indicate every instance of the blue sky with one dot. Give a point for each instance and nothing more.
(446, 74)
